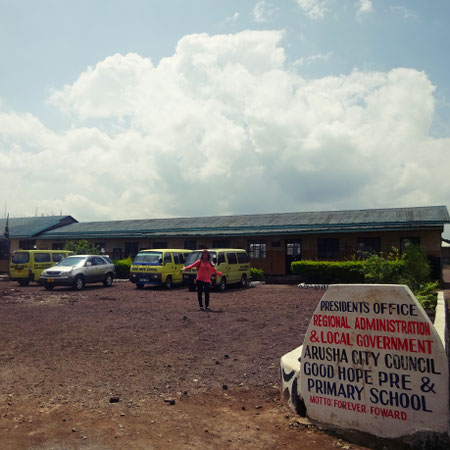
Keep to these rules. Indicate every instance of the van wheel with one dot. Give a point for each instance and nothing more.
(139, 286)
(244, 281)
(168, 282)
(24, 282)
(108, 281)
(223, 284)
(49, 286)
(78, 284)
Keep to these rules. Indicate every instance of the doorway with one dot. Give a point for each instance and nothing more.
(293, 253)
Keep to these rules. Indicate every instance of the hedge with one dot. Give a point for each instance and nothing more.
(256, 274)
(326, 272)
(123, 268)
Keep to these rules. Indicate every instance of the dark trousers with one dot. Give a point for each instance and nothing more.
(202, 286)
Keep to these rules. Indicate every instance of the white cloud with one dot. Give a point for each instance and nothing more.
(405, 12)
(231, 20)
(364, 7)
(308, 60)
(314, 9)
(223, 127)
(263, 12)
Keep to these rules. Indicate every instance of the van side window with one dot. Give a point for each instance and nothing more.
(41, 257)
(57, 257)
(177, 258)
(167, 258)
(221, 258)
(20, 258)
(242, 258)
(231, 258)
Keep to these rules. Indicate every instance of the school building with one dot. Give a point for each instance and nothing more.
(272, 241)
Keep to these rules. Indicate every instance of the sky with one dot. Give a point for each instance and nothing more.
(137, 109)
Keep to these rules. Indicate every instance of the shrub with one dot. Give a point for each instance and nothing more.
(427, 295)
(256, 274)
(410, 268)
(123, 268)
(417, 268)
(377, 269)
(326, 272)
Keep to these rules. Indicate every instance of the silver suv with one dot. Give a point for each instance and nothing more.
(78, 270)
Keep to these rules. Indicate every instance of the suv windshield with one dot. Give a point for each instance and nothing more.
(149, 258)
(72, 261)
(20, 258)
(195, 256)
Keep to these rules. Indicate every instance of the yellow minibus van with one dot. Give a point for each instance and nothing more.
(232, 262)
(27, 265)
(158, 267)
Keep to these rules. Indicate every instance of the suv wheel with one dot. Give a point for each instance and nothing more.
(78, 284)
(108, 281)
(168, 282)
(244, 281)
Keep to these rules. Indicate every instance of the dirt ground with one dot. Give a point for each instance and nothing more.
(121, 368)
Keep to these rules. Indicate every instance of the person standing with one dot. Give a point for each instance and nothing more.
(205, 269)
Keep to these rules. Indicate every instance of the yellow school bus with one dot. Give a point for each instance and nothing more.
(27, 265)
(158, 267)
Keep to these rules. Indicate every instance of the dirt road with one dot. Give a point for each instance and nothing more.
(118, 368)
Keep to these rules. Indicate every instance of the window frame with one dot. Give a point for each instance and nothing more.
(190, 244)
(413, 240)
(221, 243)
(328, 248)
(373, 250)
(257, 249)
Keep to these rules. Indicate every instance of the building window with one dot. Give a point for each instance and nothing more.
(368, 245)
(293, 248)
(117, 253)
(131, 249)
(27, 245)
(257, 249)
(406, 241)
(328, 248)
(190, 244)
(159, 244)
(221, 243)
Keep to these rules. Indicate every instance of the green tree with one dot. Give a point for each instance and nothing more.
(82, 247)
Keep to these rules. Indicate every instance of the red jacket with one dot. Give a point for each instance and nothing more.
(204, 270)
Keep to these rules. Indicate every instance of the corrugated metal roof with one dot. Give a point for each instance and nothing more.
(29, 227)
(254, 224)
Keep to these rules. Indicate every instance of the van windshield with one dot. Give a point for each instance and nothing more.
(20, 258)
(149, 259)
(195, 256)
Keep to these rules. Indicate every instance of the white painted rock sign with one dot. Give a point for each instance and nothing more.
(372, 361)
